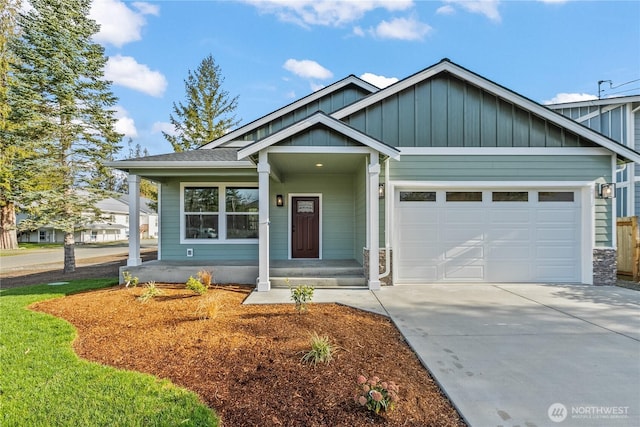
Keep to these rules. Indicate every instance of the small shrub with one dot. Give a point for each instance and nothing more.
(321, 350)
(205, 277)
(151, 291)
(302, 295)
(129, 280)
(377, 396)
(208, 307)
(196, 286)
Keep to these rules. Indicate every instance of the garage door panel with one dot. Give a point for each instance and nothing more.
(447, 241)
(457, 270)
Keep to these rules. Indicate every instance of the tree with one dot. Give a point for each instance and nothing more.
(208, 112)
(10, 153)
(60, 84)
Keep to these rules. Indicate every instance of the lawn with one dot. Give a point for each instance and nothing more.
(44, 382)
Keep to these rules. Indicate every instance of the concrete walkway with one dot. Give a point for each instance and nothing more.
(518, 355)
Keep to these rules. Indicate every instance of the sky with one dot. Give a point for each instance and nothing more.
(272, 52)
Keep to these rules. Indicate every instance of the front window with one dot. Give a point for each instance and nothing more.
(242, 213)
(220, 212)
(201, 212)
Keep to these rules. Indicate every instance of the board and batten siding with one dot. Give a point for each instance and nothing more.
(319, 137)
(514, 168)
(327, 104)
(447, 112)
(172, 249)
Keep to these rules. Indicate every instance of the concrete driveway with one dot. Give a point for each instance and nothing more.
(527, 355)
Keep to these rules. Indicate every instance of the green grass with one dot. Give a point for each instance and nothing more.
(43, 382)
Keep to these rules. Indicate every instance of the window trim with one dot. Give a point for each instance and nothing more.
(222, 213)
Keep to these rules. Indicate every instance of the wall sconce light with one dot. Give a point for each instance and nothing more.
(381, 191)
(607, 191)
(279, 200)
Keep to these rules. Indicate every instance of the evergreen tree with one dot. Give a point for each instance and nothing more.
(59, 82)
(10, 152)
(208, 111)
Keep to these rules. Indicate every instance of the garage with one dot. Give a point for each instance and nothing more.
(487, 235)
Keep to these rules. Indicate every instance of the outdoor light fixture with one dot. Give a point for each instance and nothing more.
(607, 190)
(381, 191)
(279, 200)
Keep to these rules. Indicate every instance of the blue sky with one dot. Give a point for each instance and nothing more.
(272, 52)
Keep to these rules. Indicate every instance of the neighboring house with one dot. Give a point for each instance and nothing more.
(113, 224)
(443, 177)
(619, 119)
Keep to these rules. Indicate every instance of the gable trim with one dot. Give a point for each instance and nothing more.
(329, 122)
(291, 107)
(462, 73)
(506, 151)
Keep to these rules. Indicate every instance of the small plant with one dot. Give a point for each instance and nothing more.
(208, 307)
(302, 295)
(377, 396)
(196, 286)
(205, 277)
(321, 350)
(129, 280)
(151, 291)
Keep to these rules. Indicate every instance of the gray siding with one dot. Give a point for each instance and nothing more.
(447, 112)
(514, 168)
(611, 123)
(319, 137)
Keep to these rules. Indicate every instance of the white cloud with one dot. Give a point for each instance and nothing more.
(159, 127)
(325, 12)
(358, 31)
(307, 69)
(125, 71)
(488, 8)
(378, 81)
(125, 124)
(562, 98)
(402, 29)
(446, 10)
(120, 25)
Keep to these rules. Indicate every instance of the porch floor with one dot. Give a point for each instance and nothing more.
(283, 273)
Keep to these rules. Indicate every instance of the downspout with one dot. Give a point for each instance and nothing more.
(387, 222)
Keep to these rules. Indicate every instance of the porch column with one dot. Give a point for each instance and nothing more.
(264, 169)
(134, 220)
(374, 229)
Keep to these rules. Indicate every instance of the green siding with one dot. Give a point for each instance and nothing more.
(445, 111)
(340, 227)
(327, 104)
(360, 213)
(319, 137)
(514, 168)
(172, 249)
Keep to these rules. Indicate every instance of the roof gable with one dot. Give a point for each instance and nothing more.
(524, 122)
(328, 100)
(311, 123)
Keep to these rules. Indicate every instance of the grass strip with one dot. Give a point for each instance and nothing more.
(43, 382)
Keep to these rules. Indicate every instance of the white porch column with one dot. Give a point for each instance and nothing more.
(264, 169)
(134, 220)
(374, 229)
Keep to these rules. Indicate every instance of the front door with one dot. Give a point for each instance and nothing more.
(305, 227)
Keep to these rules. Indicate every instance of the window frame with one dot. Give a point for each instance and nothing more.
(222, 212)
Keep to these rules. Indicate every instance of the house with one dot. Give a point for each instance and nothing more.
(619, 119)
(445, 176)
(113, 224)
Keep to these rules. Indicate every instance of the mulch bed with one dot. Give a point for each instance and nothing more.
(245, 361)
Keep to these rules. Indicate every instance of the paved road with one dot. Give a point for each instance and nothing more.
(36, 257)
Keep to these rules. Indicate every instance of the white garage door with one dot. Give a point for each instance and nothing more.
(487, 236)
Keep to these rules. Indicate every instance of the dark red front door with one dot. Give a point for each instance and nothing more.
(305, 227)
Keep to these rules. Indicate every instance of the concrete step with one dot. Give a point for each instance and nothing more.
(318, 271)
(342, 282)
